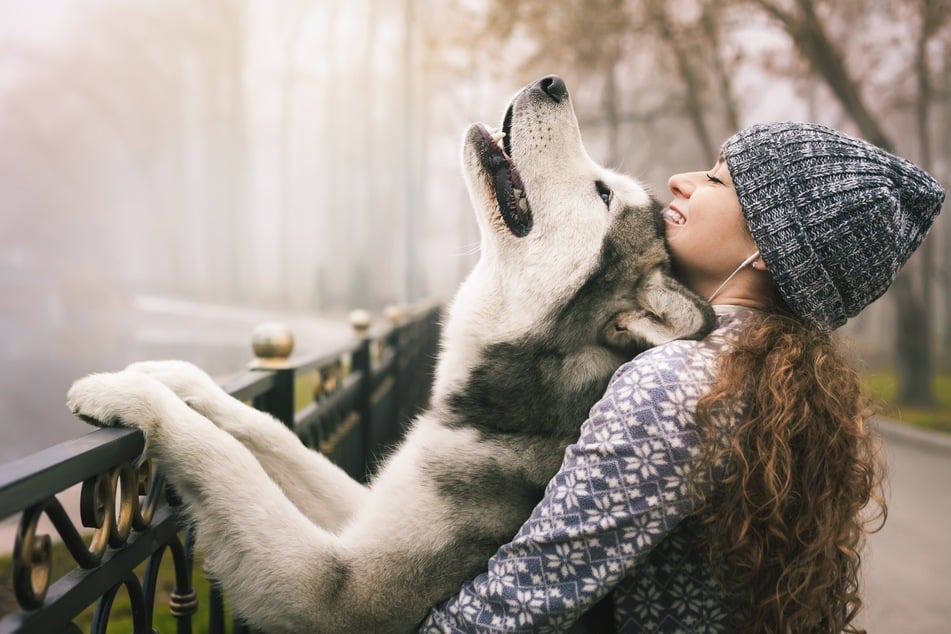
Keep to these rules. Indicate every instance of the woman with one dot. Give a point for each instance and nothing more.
(719, 485)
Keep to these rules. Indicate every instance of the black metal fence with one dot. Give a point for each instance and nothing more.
(349, 404)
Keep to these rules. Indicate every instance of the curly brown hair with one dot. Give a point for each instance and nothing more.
(797, 485)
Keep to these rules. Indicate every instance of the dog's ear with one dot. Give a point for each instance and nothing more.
(664, 310)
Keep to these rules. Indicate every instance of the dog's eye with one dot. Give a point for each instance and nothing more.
(606, 194)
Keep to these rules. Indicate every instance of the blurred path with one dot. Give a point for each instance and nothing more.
(906, 572)
(43, 354)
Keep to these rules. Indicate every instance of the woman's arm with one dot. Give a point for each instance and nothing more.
(621, 489)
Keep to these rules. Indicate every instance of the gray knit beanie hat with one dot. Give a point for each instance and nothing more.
(834, 217)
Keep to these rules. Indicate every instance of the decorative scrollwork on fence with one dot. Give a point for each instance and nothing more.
(32, 560)
(328, 378)
(329, 444)
(183, 600)
(100, 618)
(109, 503)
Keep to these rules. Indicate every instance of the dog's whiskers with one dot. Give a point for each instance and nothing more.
(467, 249)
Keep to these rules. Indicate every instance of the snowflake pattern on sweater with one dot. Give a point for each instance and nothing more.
(616, 518)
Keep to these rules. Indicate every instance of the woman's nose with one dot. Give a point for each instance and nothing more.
(680, 185)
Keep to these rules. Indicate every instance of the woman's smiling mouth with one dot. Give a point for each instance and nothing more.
(674, 216)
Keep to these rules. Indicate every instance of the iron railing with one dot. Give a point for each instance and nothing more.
(349, 404)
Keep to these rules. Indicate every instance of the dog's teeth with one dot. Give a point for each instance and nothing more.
(520, 199)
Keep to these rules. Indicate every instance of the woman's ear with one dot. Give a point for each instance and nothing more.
(759, 265)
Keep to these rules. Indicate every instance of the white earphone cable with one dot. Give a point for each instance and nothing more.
(742, 265)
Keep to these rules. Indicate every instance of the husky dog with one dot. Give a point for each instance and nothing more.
(573, 280)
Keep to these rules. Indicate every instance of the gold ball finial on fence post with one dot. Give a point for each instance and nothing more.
(360, 321)
(272, 343)
(396, 313)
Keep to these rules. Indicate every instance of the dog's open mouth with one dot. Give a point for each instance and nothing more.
(495, 152)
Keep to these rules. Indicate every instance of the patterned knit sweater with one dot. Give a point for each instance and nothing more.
(616, 518)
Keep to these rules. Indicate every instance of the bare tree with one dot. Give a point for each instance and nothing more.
(686, 71)
(711, 28)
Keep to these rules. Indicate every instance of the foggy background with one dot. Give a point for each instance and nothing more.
(174, 172)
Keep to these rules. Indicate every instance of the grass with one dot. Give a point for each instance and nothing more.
(120, 618)
(882, 385)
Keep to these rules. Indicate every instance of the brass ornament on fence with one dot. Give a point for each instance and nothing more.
(327, 379)
(317, 384)
(360, 320)
(96, 511)
(377, 350)
(109, 503)
(184, 604)
(125, 491)
(150, 487)
(272, 343)
(32, 562)
(331, 378)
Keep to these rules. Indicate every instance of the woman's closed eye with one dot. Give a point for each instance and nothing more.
(714, 179)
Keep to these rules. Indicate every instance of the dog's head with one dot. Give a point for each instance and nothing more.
(562, 236)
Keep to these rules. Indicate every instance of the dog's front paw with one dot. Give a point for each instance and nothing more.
(188, 381)
(128, 399)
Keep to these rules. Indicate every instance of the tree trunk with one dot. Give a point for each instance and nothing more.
(913, 348)
(693, 97)
(916, 388)
(711, 31)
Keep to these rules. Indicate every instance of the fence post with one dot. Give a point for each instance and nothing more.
(362, 363)
(272, 344)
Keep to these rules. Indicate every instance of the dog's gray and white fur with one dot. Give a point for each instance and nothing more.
(567, 288)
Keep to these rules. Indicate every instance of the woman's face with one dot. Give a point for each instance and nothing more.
(705, 228)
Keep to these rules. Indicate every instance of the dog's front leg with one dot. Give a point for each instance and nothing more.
(276, 566)
(319, 488)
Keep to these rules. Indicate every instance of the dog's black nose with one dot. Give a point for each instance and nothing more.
(554, 87)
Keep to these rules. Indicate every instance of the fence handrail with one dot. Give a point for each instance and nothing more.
(36, 477)
(360, 397)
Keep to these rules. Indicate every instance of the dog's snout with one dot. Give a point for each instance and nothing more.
(554, 87)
